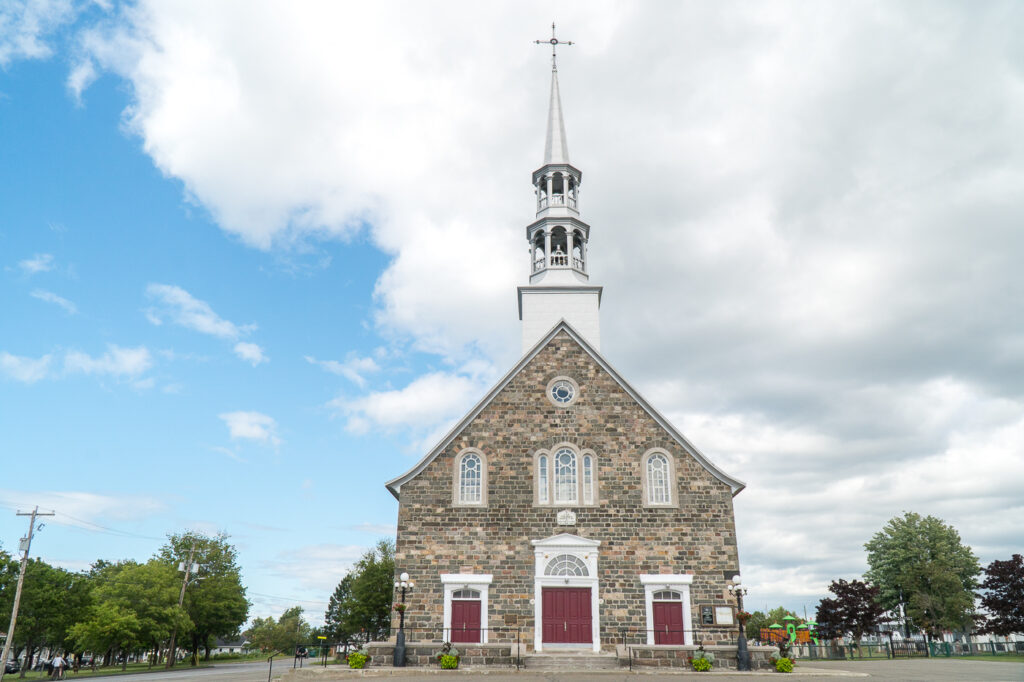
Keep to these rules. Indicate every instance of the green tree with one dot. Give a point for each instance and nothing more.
(757, 620)
(921, 564)
(291, 630)
(42, 615)
(1004, 596)
(148, 591)
(338, 626)
(261, 633)
(109, 626)
(215, 601)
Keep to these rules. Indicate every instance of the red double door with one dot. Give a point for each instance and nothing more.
(567, 616)
(668, 622)
(465, 620)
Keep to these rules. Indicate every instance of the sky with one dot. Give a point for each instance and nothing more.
(256, 258)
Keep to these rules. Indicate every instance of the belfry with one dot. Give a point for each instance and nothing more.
(559, 274)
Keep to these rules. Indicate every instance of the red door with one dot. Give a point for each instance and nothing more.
(465, 620)
(566, 615)
(668, 622)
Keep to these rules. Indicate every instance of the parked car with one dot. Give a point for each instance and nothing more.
(12, 666)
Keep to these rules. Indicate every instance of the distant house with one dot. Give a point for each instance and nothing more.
(230, 646)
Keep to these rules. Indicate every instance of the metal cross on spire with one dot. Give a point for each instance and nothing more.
(554, 42)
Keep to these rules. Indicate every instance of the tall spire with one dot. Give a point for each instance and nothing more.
(559, 287)
(556, 148)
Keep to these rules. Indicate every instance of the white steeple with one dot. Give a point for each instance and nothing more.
(557, 239)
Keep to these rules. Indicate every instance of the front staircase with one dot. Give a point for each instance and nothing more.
(576, 661)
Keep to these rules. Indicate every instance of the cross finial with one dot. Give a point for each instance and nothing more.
(554, 42)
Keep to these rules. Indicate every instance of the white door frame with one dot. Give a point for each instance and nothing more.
(453, 582)
(680, 582)
(544, 551)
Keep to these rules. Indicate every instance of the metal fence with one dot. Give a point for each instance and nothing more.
(911, 649)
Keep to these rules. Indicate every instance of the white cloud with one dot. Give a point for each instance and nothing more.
(41, 262)
(429, 400)
(26, 24)
(84, 509)
(251, 426)
(184, 309)
(353, 368)
(321, 568)
(250, 352)
(51, 297)
(117, 362)
(25, 370)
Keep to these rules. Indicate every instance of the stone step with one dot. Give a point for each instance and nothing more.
(573, 661)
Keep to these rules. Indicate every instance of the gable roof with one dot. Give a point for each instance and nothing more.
(395, 484)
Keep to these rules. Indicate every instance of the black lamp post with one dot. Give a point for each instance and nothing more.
(742, 654)
(403, 583)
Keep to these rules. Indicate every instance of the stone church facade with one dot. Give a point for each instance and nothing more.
(564, 509)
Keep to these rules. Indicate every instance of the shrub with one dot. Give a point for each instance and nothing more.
(449, 662)
(357, 659)
(701, 665)
(784, 665)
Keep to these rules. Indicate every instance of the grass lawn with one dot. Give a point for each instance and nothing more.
(1006, 658)
(100, 670)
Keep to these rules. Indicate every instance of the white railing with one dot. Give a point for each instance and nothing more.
(559, 259)
(577, 263)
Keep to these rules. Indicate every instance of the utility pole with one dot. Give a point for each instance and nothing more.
(181, 600)
(25, 546)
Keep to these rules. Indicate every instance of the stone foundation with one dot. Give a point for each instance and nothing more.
(655, 656)
(421, 654)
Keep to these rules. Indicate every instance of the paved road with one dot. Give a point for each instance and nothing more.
(917, 670)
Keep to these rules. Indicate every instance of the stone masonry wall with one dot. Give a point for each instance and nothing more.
(434, 537)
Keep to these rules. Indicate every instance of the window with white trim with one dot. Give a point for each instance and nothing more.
(542, 479)
(588, 479)
(565, 477)
(566, 564)
(658, 474)
(470, 479)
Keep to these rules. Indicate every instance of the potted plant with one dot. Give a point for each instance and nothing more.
(357, 658)
(702, 661)
(448, 656)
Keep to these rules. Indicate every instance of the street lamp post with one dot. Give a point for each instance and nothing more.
(404, 584)
(742, 654)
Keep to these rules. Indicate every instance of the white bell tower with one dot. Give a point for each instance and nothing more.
(559, 270)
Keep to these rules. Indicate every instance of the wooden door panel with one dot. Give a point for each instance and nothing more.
(567, 615)
(668, 622)
(465, 620)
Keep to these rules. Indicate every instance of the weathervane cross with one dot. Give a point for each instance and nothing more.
(554, 42)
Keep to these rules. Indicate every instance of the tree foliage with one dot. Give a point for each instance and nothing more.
(360, 608)
(283, 635)
(1004, 596)
(149, 592)
(215, 602)
(854, 610)
(921, 563)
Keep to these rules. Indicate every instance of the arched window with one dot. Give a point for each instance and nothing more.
(566, 564)
(667, 595)
(565, 476)
(469, 481)
(466, 593)
(542, 479)
(588, 479)
(658, 479)
(470, 489)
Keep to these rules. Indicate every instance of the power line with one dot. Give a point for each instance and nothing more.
(272, 596)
